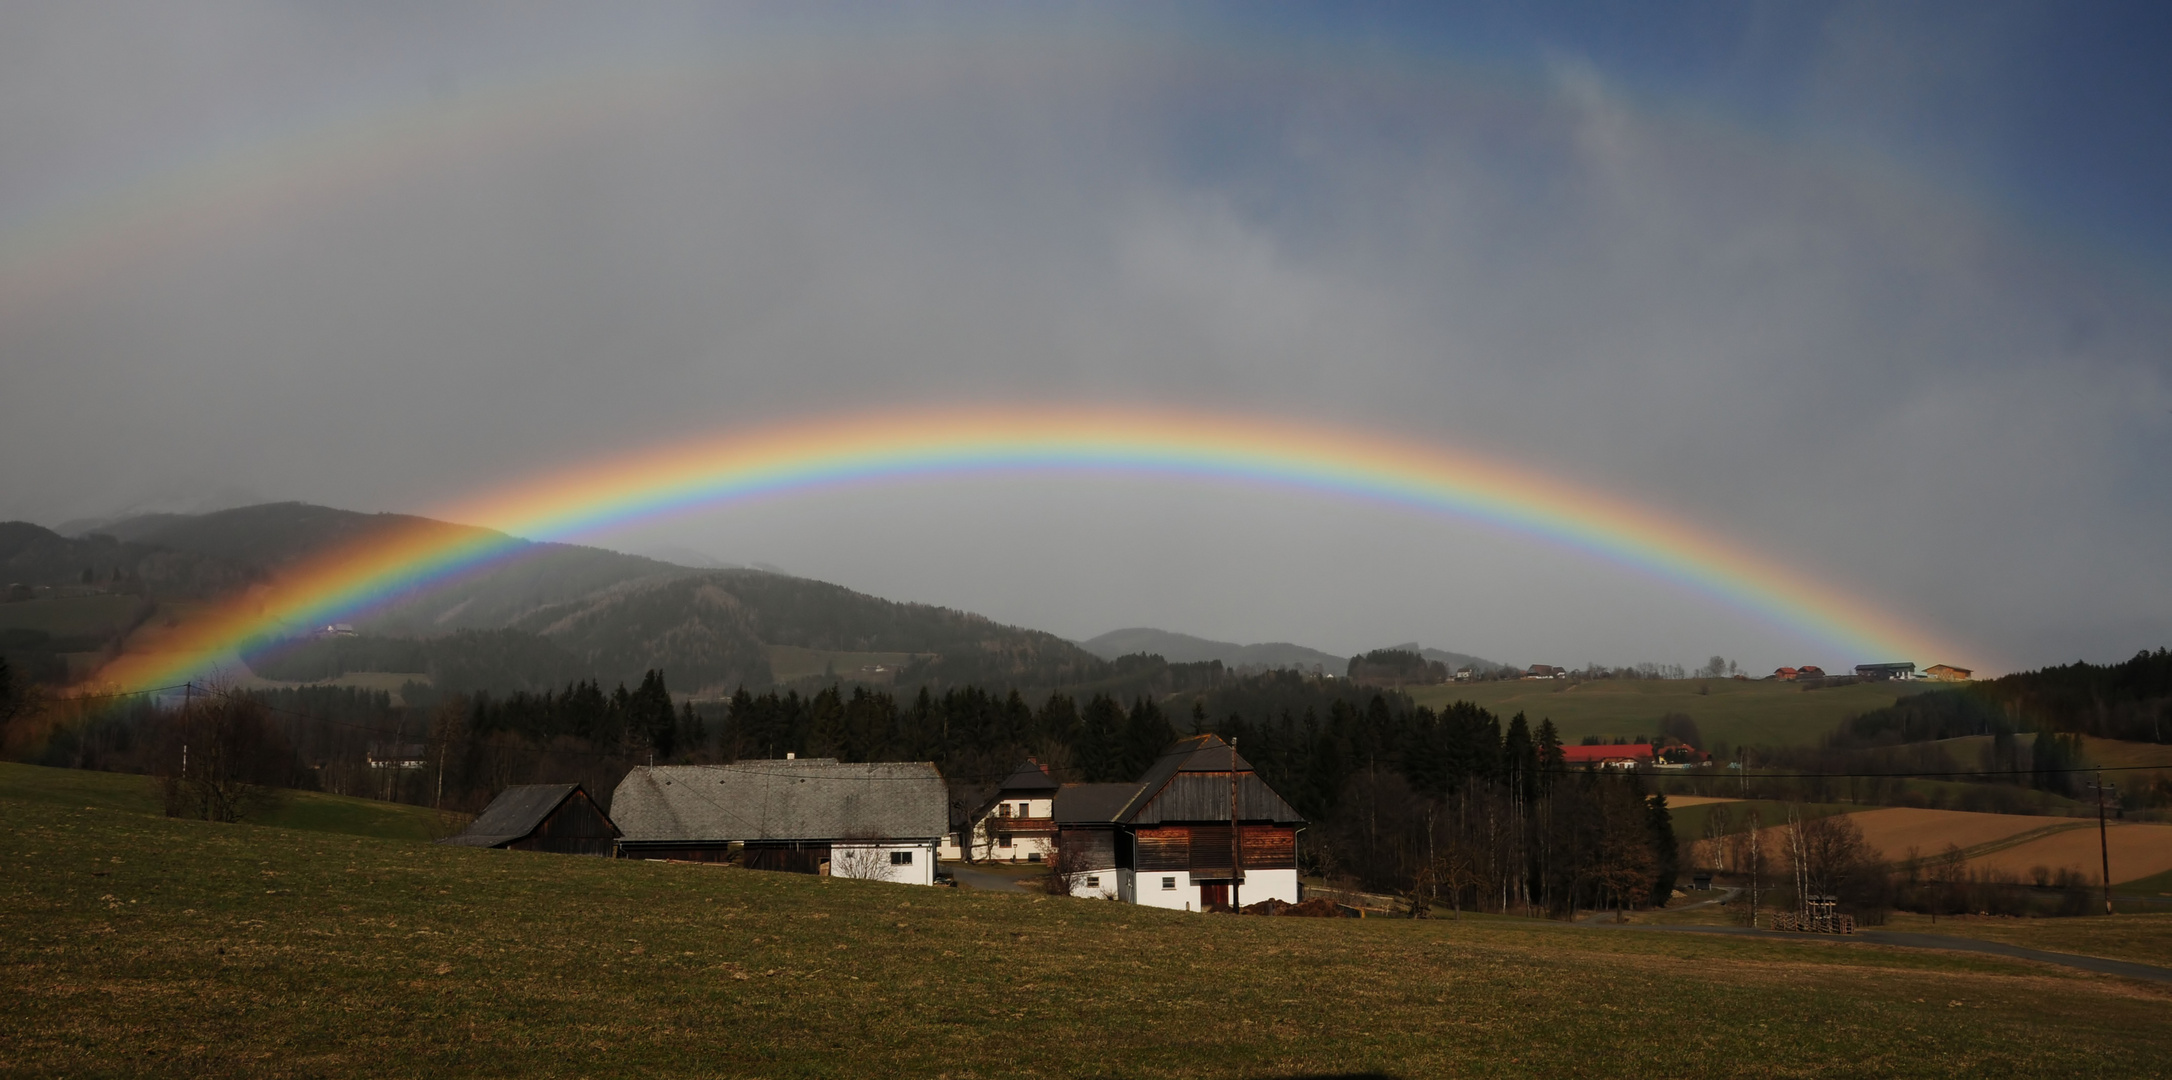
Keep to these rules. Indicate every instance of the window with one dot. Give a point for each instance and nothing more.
(901, 858)
(1005, 809)
(1093, 881)
(1033, 856)
(1168, 883)
(1025, 809)
(1003, 839)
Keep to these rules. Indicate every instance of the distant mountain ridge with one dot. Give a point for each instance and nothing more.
(541, 607)
(1187, 649)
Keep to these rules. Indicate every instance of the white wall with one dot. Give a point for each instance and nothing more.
(878, 860)
(1268, 885)
(1099, 885)
(1258, 885)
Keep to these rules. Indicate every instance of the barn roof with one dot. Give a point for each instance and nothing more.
(1190, 782)
(782, 800)
(1083, 804)
(516, 812)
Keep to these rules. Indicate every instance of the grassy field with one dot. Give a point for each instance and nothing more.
(2143, 938)
(137, 945)
(1753, 713)
(40, 789)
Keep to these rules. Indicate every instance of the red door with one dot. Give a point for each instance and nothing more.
(1213, 896)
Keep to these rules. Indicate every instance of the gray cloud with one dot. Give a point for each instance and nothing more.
(1801, 343)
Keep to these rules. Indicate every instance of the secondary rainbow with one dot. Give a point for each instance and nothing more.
(841, 451)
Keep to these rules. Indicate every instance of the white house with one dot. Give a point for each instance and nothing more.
(1016, 824)
(877, 820)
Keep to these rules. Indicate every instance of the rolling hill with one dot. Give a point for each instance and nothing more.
(1186, 649)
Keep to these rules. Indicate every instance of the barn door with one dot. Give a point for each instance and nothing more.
(1214, 895)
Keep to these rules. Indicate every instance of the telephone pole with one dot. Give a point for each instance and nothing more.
(2104, 847)
(1236, 847)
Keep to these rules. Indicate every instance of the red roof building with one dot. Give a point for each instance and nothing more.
(1605, 757)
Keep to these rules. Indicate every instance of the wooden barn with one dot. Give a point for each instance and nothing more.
(1167, 840)
(542, 817)
(874, 820)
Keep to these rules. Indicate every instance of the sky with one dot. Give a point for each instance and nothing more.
(1880, 292)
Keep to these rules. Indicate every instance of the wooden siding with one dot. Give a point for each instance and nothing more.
(1210, 850)
(577, 827)
(705, 853)
(1205, 797)
(1093, 849)
(1269, 847)
(1163, 849)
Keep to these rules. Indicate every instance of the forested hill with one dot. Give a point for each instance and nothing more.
(2130, 700)
(260, 540)
(1186, 649)
(708, 630)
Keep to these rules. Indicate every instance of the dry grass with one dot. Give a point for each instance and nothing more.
(2137, 851)
(2144, 939)
(1895, 830)
(1679, 802)
(135, 945)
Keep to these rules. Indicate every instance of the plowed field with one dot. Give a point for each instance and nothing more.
(2137, 851)
(1895, 830)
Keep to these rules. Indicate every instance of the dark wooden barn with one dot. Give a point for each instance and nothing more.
(1165, 841)
(542, 817)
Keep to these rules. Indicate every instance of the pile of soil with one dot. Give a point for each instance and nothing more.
(1319, 907)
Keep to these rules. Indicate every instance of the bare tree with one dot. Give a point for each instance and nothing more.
(859, 859)
(222, 761)
(1066, 865)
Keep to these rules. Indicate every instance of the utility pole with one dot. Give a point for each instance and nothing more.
(2104, 847)
(1236, 847)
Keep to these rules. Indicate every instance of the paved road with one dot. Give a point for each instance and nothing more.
(970, 878)
(1905, 940)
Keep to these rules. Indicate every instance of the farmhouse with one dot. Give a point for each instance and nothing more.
(1167, 841)
(1947, 673)
(877, 820)
(1902, 670)
(542, 817)
(1626, 756)
(1017, 824)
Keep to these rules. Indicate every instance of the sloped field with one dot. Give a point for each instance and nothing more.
(2137, 851)
(1895, 831)
(133, 945)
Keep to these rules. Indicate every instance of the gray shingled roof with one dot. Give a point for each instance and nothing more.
(1082, 804)
(781, 800)
(513, 814)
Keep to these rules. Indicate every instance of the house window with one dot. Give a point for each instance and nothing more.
(1006, 809)
(901, 858)
(1025, 809)
(1003, 839)
(1033, 856)
(1168, 883)
(1093, 881)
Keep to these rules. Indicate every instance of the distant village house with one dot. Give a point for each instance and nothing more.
(1947, 673)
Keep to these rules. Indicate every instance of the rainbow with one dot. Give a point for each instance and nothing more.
(844, 450)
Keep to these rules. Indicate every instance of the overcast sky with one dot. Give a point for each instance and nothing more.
(1880, 291)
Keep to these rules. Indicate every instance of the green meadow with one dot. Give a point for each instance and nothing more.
(1738, 712)
(34, 789)
(137, 945)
